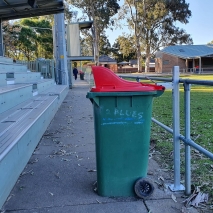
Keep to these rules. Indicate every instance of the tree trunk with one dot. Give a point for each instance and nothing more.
(147, 64)
(147, 55)
(94, 33)
(138, 48)
(139, 56)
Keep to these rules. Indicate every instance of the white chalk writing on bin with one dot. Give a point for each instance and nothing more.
(120, 123)
(121, 112)
(122, 117)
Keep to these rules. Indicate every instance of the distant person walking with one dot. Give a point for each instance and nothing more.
(75, 72)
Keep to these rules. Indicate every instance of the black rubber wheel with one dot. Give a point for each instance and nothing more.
(143, 188)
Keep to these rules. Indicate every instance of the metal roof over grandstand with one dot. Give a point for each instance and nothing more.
(189, 51)
(15, 9)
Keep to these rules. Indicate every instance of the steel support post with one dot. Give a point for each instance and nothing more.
(199, 65)
(70, 74)
(194, 65)
(1, 40)
(187, 135)
(61, 55)
(176, 131)
(56, 55)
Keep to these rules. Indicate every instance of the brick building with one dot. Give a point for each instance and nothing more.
(190, 58)
(108, 62)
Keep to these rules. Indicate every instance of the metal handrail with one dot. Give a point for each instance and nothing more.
(176, 126)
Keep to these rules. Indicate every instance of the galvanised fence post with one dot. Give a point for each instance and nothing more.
(176, 130)
(187, 136)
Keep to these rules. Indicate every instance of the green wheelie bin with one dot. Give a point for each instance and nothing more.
(122, 120)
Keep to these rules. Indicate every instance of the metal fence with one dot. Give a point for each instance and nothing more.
(45, 66)
(177, 137)
(206, 70)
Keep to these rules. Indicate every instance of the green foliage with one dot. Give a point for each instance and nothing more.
(104, 10)
(105, 46)
(43, 30)
(27, 43)
(153, 23)
(10, 35)
(86, 45)
(29, 38)
(116, 53)
(127, 45)
(123, 49)
(157, 19)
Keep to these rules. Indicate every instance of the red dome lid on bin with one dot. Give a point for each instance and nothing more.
(107, 81)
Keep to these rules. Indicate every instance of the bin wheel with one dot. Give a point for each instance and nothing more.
(143, 188)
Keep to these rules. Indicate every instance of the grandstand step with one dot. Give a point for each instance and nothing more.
(5, 59)
(19, 77)
(8, 67)
(21, 128)
(12, 78)
(11, 95)
(3, 80)
(43, 85)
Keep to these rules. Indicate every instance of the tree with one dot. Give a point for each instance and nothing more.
(19, 41)
(43, 36)
(153, 24)
(10, 36)
(100, 12)
(29, 38)
(127, 46)
(69, 13)
(124, 48)
(26, 43)
(116, 52)
(105, 46)
(86, 46)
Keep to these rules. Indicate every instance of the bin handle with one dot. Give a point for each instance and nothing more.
(108, 85)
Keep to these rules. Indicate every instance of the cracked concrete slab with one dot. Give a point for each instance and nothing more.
(119, 207)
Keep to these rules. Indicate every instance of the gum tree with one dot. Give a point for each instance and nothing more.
(28, 38)
(101, 13)
(10, 35)
(126, 46)
(123, 49)
(153, 23)
(42, 35)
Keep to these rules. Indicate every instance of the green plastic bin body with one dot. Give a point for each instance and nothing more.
(122, 123)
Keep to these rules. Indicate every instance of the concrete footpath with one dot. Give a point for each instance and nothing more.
(61, 174)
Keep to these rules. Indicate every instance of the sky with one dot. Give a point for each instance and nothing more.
(200, 25)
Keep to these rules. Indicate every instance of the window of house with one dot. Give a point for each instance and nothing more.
(165, 62)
